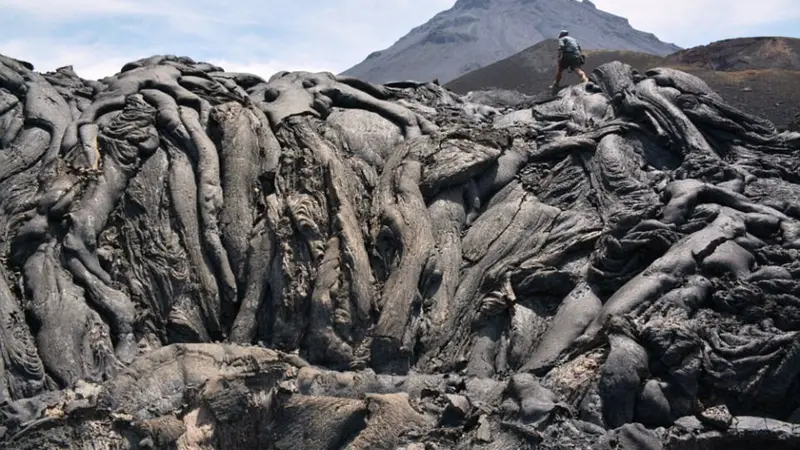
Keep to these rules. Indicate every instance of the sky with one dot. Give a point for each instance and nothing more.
(97, 37)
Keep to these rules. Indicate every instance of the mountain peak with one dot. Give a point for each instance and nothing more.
(475, 33)
(472, 4)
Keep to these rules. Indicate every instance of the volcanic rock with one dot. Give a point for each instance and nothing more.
(199, 259)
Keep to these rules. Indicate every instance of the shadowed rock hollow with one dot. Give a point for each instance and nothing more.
(198, 259)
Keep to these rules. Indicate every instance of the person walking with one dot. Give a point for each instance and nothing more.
(570, 56)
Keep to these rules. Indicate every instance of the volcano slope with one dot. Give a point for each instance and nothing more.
(198, 259)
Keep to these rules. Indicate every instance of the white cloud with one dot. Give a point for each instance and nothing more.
(268, 36)
(695, 22)
(98, 37)
(66, 9)
(88, 61)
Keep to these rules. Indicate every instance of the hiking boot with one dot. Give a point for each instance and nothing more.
(554, 86)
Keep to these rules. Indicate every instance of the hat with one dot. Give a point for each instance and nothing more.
(563, 33)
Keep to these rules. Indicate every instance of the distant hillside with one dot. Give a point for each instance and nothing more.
(743, 74)
(743, 54)
(475, 33)
(533, 69)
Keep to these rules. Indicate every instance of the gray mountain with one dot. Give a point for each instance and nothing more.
(475, 33)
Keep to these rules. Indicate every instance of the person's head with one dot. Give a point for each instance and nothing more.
(563, 33)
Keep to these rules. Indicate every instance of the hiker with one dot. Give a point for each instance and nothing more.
(570, 57)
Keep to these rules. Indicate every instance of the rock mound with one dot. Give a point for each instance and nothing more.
(200, 259)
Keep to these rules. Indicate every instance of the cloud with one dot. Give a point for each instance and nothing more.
(696, 22)
(68, 9)
(98, 37)
(89, 61)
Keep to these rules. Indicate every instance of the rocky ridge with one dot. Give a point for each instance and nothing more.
(758, 75)
(739, 54)
(199, 259)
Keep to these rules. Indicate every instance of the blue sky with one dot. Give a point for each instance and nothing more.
(97, 37)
